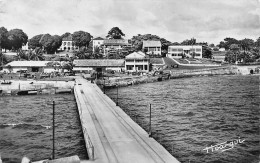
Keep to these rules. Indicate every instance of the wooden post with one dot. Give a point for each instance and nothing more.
(53, 131)
(150, 130)
(117, 95)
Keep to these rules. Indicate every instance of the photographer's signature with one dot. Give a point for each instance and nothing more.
(224, 146)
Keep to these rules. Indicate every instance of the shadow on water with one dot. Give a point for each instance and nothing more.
(26, 128)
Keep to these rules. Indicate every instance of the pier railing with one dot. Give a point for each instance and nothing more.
(89, 145)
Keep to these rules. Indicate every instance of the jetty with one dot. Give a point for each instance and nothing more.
(111, 136)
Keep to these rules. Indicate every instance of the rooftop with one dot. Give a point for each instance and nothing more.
(68, 38)
(99, 62)
(152, 44)
(115, 42)
(28, 63)
(98, 38)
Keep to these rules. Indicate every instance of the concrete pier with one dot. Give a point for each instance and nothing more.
(111, 136)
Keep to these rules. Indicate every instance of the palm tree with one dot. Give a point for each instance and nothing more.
(36, 54)
(21, 55)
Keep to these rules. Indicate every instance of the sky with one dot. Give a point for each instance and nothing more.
(175, 20)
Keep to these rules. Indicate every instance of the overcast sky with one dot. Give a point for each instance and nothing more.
(175, 20)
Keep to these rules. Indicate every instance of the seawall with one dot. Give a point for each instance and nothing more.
(36, 87)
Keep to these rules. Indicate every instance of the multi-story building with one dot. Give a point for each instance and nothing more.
(97, 42)
(68, 44)
(111, 46)
(137, 61)
(178, 51)
(152, 47)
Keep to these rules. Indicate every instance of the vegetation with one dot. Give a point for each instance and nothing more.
(244, 51)
(115, 33)
(81, 38)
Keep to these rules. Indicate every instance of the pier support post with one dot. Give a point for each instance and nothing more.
(117, 95)
(150, 130)
(53, 131)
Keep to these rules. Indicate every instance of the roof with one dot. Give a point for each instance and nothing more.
(28, 63)
(99, 63)
(115, 42)
(152, 44)
(98, 38)
(133, 55)
(68, 38)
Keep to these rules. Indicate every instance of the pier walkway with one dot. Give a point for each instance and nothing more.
(111, 136)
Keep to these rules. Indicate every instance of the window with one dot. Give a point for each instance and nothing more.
(68, 43)
(197, 54)
(198, 50)
(64, 44)
(129, 67)
(192, 50)
(180, 49)
(158, 49)
(174, 50)
(180, 54)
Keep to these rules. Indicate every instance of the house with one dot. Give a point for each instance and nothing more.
(152, 47)
(177, 51)
(137, 61)
(98, 65)
(111, 46)
(30, 66)
(97, 42)
(68, 44)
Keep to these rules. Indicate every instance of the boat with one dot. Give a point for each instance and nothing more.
(6, 82)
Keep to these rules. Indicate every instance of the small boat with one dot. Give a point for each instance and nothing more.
(6, 82)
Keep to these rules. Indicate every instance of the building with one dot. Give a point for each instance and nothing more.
(97, 42)
(30, 66)
(137, 61)
(152, 47)
(177, 51)
(68, 44)
(98, 65)
(111, 46)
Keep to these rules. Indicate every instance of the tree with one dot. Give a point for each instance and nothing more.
(3, 38)
(115, 33)
(17, 38)
(35, 42)
(50, 43)
(3, 59)
(57, 41)
(246, 44)
(22, 55)
(192, 41)
(257, 43)
(227, 42)
(81, 38)
(36, 54)
(65, 35)
(206, 53)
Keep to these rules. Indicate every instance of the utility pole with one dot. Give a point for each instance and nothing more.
(53, 130)
(150, 130)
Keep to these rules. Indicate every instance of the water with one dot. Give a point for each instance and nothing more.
(191, 114)
(26, 128)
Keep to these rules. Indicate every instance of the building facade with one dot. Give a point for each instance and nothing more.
(178, 51)
(97, 42)
(30, 66)
(68, 44)
(137, 61)
(112, 46)
(152, 47)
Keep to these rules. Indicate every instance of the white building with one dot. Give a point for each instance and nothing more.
(137, 61)
(152, 47)
(97, 42)
(177, 51)
(68, 44)
(30, 66)
(98, 65)
(111, 46)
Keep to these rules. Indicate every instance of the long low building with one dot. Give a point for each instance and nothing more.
(178, 51)
(30, 66)
(99, 65)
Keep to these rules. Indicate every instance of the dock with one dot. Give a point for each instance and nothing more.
(111, 136)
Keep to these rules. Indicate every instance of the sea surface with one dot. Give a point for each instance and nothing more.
(26, 127)
(191, 114)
